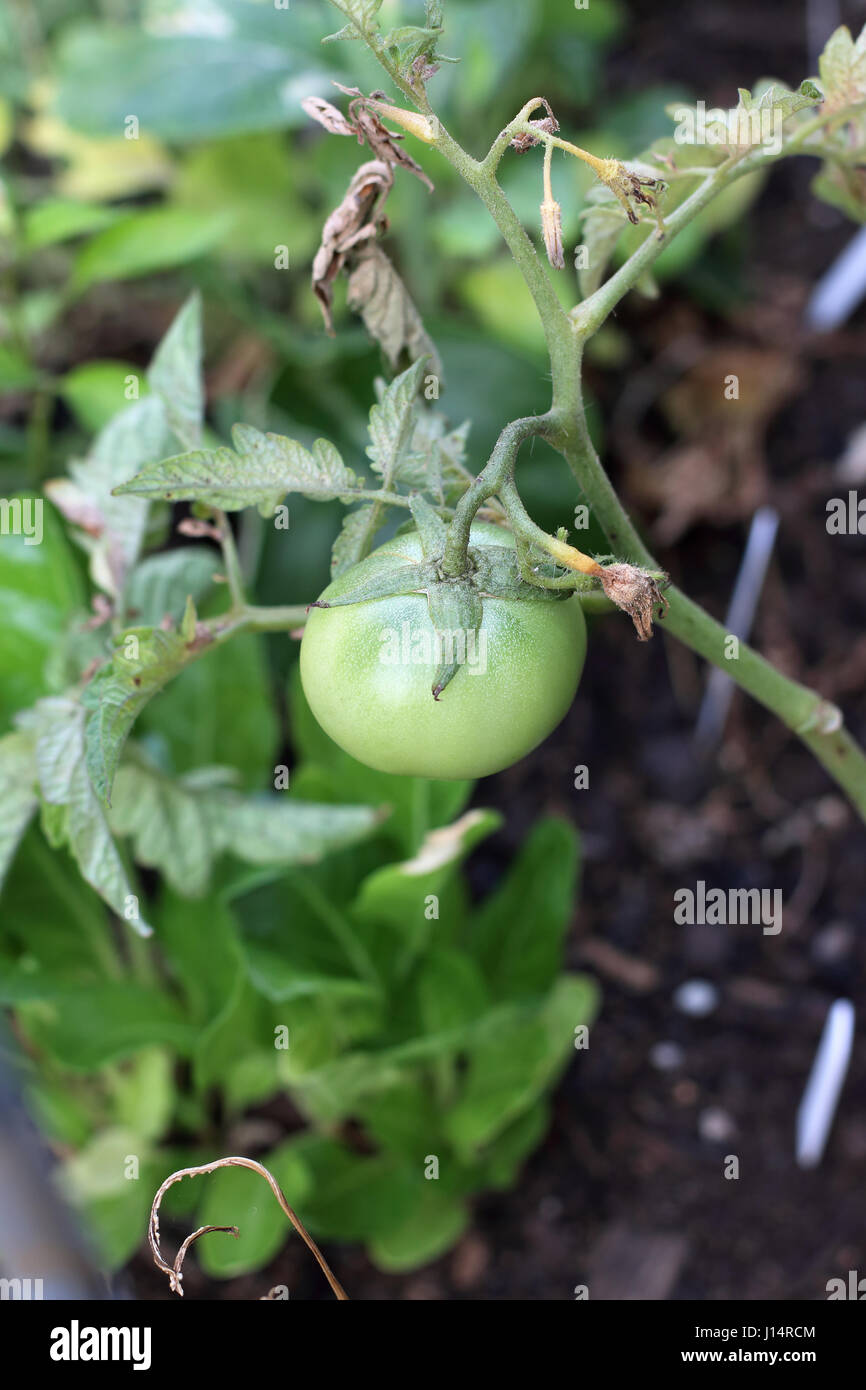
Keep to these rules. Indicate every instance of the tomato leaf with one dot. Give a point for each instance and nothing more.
(175, 373)
(109, 527)
(18, 798)
(258, 472)
(235, 1196)
(512, 1067)
(518, 932)
(181, 826)
(143, 661)
(79, 818)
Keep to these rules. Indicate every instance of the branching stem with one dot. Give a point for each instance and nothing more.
(813, 719)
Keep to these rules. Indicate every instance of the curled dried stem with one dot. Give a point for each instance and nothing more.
(175, 1270)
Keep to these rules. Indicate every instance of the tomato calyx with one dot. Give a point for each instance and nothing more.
(455, 603)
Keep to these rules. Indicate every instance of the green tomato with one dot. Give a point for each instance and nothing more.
(367, 670)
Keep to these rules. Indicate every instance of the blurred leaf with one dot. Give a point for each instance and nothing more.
(64, 782)
(143, 1092)
(18, 799)
(842, 187)
(503, 1158)
(116, 1204)
(61, 219)
(508, 1071)
(144, 242)
(160, 585)
(86, 1027)
(254, 179)
(517, 933)
(94, 391)
(436, 1222)
(200, 940)
(402, 1119)
(111, 528)
(17, 372)
(143, 661)
(239, 1197)
(181, 88)
(842, 69)
(52, 919)
(219, 710)
(97, 169)
(353, 1197)
(180, 826)
(451, 991)
(399, 894)
(175, 374)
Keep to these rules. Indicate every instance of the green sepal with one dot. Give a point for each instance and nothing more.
(406, 579)
(455, 611)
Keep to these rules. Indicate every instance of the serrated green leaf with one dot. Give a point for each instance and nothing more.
(842, 69)
(18, 799)
(361, 15)
(112, 527)
(181, 826)
(392, 423)
(261, 472)
(64, 781)
(175, 373)
(143, 661)
(430, 527)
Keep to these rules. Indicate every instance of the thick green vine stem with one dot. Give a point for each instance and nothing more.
(814, 720)
(498, 468)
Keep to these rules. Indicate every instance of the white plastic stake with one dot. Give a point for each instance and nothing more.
(821, 1096)
(713, 712)
(841, 287)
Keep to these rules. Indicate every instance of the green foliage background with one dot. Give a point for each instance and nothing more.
(439, 1036)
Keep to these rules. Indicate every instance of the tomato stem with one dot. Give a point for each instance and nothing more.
(816, 722)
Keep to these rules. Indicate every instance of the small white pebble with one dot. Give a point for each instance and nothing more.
(696, 997)
(716, 1125)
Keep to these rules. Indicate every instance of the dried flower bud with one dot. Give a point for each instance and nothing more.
(634, 591)
(627, 186)
(551, 226)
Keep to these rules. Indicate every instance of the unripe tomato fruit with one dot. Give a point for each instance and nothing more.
(382, 710)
